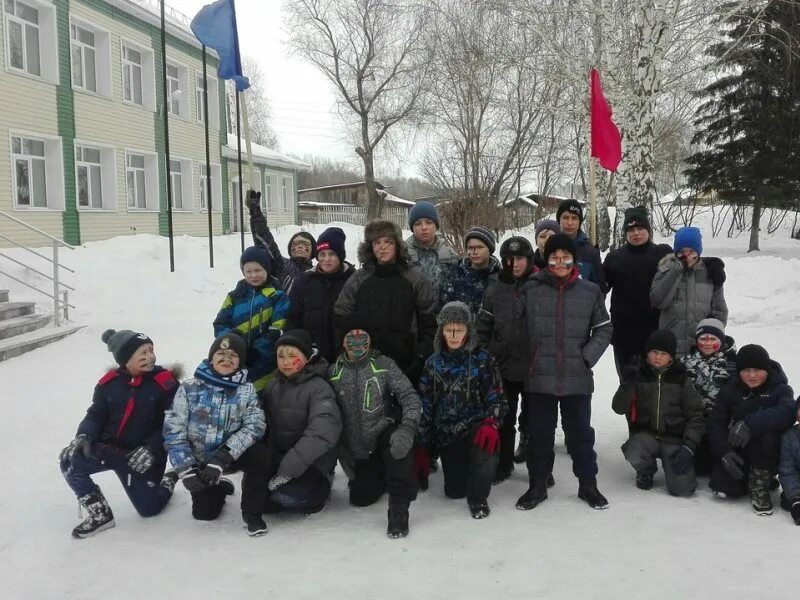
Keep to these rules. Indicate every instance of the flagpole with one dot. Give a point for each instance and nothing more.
(209, 200)
(251, 174)
(239, 161)
(166, 136)
(592, 180)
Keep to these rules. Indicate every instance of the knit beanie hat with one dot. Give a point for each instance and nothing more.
(560, 241)
(454, 312)
(256, 254)
(688, 237)
(516, 246)
(547, 224)
(122, 344)
(300, 339)
(711, 327)
(752, 356)
(309, 237)
(483, 235)
(662, 340)
(332, 238)
(423, 210)
(636, 217)
(572, 206)
(230, 341)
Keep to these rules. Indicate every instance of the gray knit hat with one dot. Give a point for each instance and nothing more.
(714, 327)
(483, 235)
(122, 344)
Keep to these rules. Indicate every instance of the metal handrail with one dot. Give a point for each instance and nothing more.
(32, 251)
(30, 268)
(64, 304)
(39, 231)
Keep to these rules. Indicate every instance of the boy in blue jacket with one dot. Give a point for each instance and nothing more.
(121, 432)
(215, 422)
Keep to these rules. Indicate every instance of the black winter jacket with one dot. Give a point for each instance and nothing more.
(629, 274)
(768, 409)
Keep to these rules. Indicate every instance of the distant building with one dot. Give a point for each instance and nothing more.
(527, 209)
(347, 202)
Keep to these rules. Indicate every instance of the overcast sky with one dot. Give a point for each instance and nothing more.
(302, 101)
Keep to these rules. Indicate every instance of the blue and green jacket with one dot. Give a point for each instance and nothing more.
(259, 316)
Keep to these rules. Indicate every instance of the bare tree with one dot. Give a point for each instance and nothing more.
(373, 53)
(258, 109)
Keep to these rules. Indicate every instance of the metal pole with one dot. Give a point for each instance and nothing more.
(239, 150)
(208, 163)
(166, 135)
(56, 308)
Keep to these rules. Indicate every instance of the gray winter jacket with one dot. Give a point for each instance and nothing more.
(434, 262)
(303, 420)
(686, 296)
(569, 329)
(372, 394)
(789, 465)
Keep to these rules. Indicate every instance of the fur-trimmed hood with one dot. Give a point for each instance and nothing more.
(379, 229)
(455, 312)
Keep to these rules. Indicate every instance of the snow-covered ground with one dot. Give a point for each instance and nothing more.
(647, 543)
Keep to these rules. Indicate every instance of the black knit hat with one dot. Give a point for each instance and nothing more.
(636, 217)
(123, 343)
(300, 339)
(572, 206)
(752, 356)
(230, 341)
(309, 237)
(483, 235)
(663, 340)
(256, 254)
(560, 241)
(333, 238)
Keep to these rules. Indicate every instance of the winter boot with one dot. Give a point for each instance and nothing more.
(479, 510)
(536, 494)
(254, 525)
(398, 521)
(502, 474)
(588, 492)
(99, 515)
(759, 482)
(521, 453)
(313, 510)
(227, 486)
(644, 481)
(169, 480)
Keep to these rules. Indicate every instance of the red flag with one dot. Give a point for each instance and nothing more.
(606, 141)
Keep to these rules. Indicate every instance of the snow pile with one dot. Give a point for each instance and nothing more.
(683, 548)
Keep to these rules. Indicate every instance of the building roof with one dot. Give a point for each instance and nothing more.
(177, 23)
(264, 156)
(335, 186)
(522, 199)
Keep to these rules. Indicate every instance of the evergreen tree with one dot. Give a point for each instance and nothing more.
(748, 124)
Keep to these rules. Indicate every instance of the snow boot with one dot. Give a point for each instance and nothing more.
(536, 494)
(644, 481)
(169, 480)
(588, 492)
(521, 453)
(479, 510)
(227, 486)
(254, 525)
(313, 510)
(398, 521)
(98, 518)
(759, 481)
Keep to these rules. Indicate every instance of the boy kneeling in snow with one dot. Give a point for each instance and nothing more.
(122, 433)
(462, 407)
(215, 422)
(380, 412)
(789, 470)
(665, 414)
(303, 427)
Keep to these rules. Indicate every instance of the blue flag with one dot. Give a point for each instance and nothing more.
(215, 27)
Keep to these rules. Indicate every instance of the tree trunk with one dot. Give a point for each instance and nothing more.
(756, 225)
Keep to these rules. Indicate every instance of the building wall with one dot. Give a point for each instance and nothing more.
(277, 214)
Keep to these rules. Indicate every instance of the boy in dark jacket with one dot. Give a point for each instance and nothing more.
(380, 416)
(257, 310)
(122, 433)
(751, 413)
(462, 407)
(303, 427)
(466, 280)
(789, 470)
(665, 416)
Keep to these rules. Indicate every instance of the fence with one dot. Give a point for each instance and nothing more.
(355, 215)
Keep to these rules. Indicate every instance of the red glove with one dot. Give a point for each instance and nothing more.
(422, 463)
(487, 438)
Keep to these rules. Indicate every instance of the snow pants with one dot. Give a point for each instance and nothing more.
(508, 432)
(642, 449)
(761, 453)
(576, 417)
(468, 470)
(308, 491)
(381, 472)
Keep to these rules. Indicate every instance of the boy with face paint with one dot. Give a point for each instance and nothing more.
(303, 423)
(121, 432)
(463, 405)
(380, 415)
(215, 422)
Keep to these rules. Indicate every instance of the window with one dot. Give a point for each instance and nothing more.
(138, 76)
(23, 33)
(141, 181)
(216, 189)
(37, 172)
(230, 110)
(84, 61)
(286, 192)
(90, 177)
(177, 89)
(269, 193)
(213, 100)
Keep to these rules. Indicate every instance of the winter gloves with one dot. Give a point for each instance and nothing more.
(422, 466)
(739, 435)
(140, 459)
(401, 441)
(253, 199)
(277, 482)
(795, 510)
(682, 460)
(487, 438)
(733, 464)
(81, 443)
(212, 472)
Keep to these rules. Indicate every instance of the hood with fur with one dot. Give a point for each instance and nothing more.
(379, 229)
(455, 312)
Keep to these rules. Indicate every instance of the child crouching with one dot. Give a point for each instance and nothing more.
(215, 422)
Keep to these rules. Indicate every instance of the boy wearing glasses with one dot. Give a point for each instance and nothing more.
(468, 278)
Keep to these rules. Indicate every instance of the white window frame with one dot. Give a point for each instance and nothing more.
(179, 96)
(216, 187)
(47, 39)
(108, 176)
(272, 192)
(213, 98)
(286, 193)
(186, 180)
(151, 184)
(53, 170)
(147, 66)
(102, 58)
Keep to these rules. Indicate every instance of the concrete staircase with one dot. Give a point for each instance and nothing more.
(22, 330)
